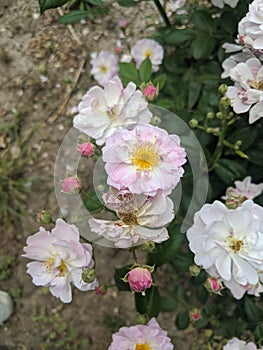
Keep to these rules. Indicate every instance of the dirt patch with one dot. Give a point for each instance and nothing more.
(39, 61)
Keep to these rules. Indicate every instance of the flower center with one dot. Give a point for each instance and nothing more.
(256, 84)
(142, 347)
(128, 218)
(145, 157)
(56, 266)
(147, 54)
(236, 245)
(112, 112)
(103, 69)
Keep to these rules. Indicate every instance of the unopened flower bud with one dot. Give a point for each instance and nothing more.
(210, 115)
(195, 314)
(148, 246)
(43, 217)
(193, 123)
(222, 89)
(149, 91)
(118, 49)
(101, 290)
(225, 101)
(86, 149)
(213, 285)
(88, 275)
(219, 115)
(194, 270)
(71, 185)
(140, 279)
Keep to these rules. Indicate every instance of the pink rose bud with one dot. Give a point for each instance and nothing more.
(43, 217)
(139, 279)
(71, 185)
(213, 285)
(122, 23)
(101, 290)
(86, 149)
(150, 92)
(118, 49)
(195, 314)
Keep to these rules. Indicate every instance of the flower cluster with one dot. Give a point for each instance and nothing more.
(228, 243)
(60, 260)
(245, 68)
(141, 337)
(105, 64)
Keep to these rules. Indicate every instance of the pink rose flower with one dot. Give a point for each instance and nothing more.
(60, 260)
(140, 279)
(145, 160)
(143, 337)
(71, 185)
(86, 149)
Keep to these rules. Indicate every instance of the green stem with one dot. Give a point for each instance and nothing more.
(162, 13)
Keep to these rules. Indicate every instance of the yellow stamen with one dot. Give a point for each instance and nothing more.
(236, 244)
(103, 69)
(256, 84)
(145, 157)
(58, 271)
(147, 54)
(128, 218)
(142, 347)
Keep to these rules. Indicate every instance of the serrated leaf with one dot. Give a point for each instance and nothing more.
(168, 304)
(145, 70)
(182, 320)
(50, 4)
(176, 36)
(128, 72)
(127, 3)
(118, 275)
(203, 20)
(73, 17)
(202, 46)
(161, 80)
(229, 170)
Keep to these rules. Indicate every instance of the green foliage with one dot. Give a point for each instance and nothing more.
(7, 262)
(50, 4)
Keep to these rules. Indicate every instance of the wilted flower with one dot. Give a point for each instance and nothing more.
(71, 185)
(140, 279)
(244, 189)
(141, 337)
(104, 67)
(237, 344)
(60, 260)
(248, 88)
(102, 111)
(222, 3)
(141, 218)
(86, 149)
(146, 160)
(147, 48)
(228, 243)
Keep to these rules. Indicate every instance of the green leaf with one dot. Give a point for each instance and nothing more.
(202, 46)
(229, 170)
(92, 203)
(178, 36)
(252, 312)
(145, 70)
(231, 327)
(194, 93)
(242, 135)
(73, 17)
(128, 72)
(258, 333)
(168, 304)
(182, 320)
(148, 304)
(167, 104)
(203, 20)
(94, 2)
(118, 275)
(50, 4)
(127, 3)
(202, 294)
(228, 21)
(161, 80)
